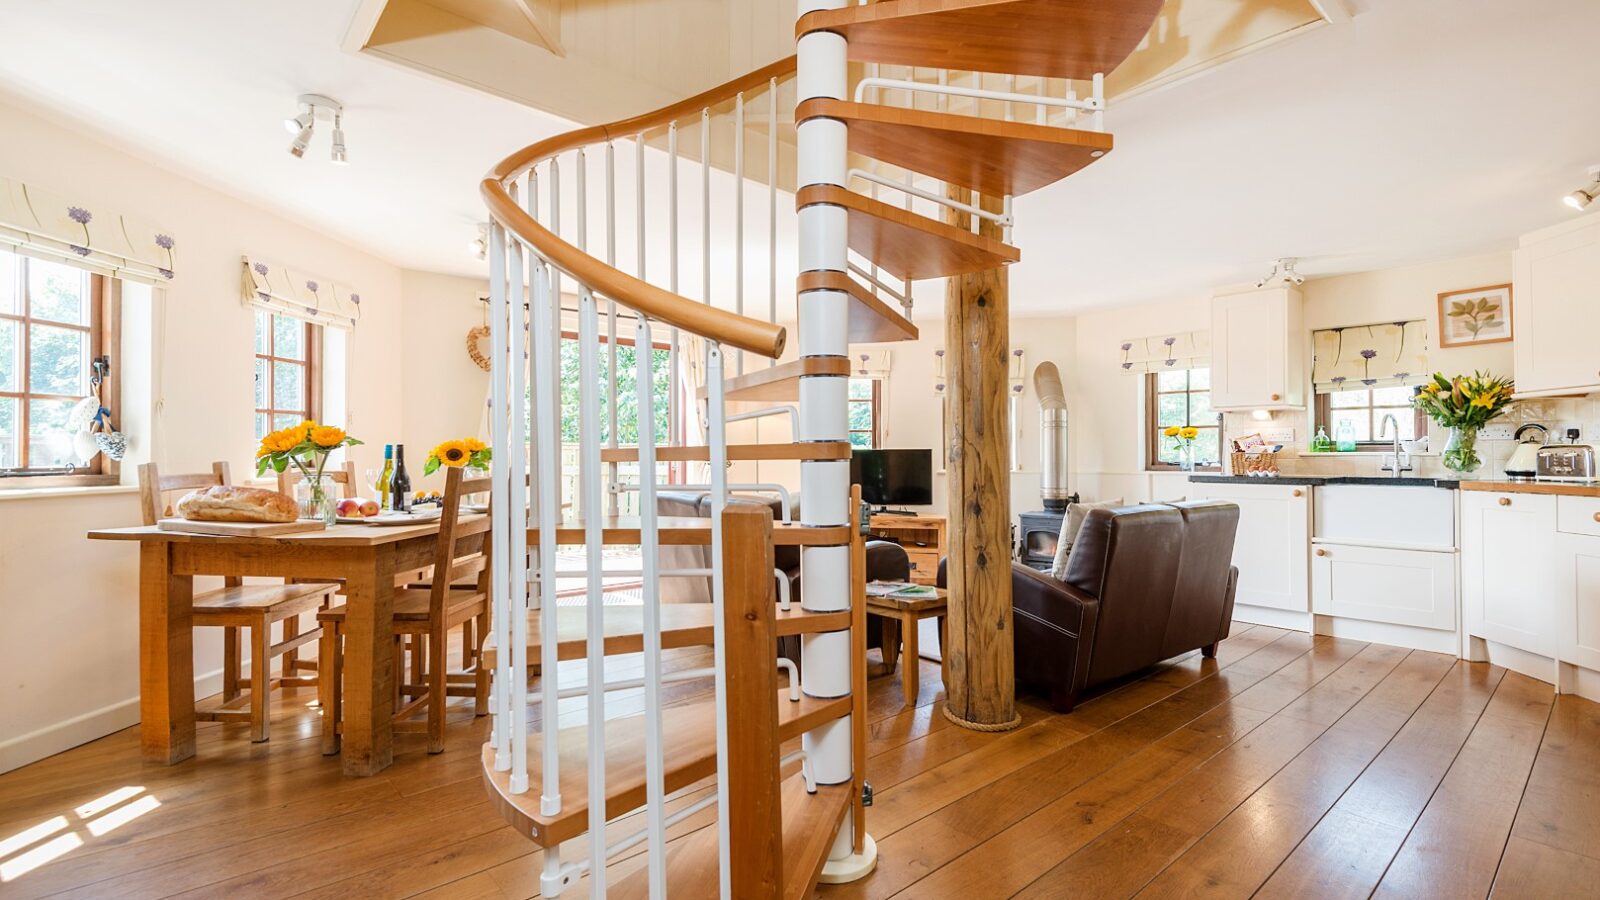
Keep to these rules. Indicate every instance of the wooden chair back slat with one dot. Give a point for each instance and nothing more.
(154, 488)
(451, 531)
(344, 476)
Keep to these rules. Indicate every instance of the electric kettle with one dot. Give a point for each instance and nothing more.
(1524, 461)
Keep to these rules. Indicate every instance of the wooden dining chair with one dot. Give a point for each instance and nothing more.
(344, 476)
(237, 607)
(429, 613)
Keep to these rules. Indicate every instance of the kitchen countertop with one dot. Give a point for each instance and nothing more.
(1448, 484)
(1530, 486)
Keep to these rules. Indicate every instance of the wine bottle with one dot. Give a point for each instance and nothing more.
(400, 484)
(384, 476)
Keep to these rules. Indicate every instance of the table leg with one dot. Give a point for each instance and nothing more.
(889, 641)
(944, 654)
(911, 671)
(166, 657)
(369, 664)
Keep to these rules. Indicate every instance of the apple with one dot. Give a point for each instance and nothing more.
(350, 508)
(369, 508)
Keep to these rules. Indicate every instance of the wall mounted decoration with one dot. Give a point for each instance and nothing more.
(1475, 316)
(41, 223)
(290, 292)
(1369, 356)
(475, 338)
(1179, 350)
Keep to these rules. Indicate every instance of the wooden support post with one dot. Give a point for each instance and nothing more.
(980, 691)
(750, 636)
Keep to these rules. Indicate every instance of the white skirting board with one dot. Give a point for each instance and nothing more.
(1409, 636)
(1277, 618)
(1566, 677)
(34, 746)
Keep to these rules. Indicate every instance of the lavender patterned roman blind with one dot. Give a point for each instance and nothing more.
(1164, 352)
(291, 292)
(39, 222)
(1368, 356)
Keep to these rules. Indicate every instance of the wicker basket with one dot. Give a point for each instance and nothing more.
(1254, 463)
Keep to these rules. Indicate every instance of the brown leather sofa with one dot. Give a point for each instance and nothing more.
(1143, 584)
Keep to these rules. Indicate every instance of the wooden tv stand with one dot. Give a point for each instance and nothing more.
(923, 537)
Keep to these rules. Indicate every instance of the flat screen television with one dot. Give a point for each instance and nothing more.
(893, 477)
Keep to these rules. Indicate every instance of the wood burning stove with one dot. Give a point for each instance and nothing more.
(1037, 536)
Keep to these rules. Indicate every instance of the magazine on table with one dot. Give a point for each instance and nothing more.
(903, 589)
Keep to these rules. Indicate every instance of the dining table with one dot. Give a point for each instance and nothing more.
(366, 558)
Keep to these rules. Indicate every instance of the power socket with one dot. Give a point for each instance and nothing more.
(1497, 432)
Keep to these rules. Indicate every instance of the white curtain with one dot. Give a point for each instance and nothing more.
(38, 222)
(1368, 356)
(1178, 350)
(289, 292)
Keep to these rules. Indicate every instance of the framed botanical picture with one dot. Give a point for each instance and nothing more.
(1475, 316)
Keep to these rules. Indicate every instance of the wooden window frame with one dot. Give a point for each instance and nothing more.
(312, 364)
(875, 432)
(1323, 412)
(105, 335)
(1152, 429)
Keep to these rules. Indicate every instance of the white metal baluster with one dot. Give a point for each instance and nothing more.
(649, 543)
(1100, 101)
(515, 562)
(718, 452)
(594, 537)
(547, 380)
(705, 206)
(612, 468)
(553, 363)
(499, 484)
(738, 211)
(674, 413)
(772, 204)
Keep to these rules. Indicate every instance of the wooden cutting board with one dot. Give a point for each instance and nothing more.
(241, 529)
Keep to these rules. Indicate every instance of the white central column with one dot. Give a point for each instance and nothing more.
(825, 484)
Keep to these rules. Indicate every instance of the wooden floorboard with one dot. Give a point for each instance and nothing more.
(1289, 766)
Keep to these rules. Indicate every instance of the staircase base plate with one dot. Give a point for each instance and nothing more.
(854, 867)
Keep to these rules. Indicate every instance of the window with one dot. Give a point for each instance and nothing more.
(864, 412)
(55, 322)
(288, 362)
(1181, 397)
(1364, 409)
(627, 391)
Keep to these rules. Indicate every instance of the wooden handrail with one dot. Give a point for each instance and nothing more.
(732, 329)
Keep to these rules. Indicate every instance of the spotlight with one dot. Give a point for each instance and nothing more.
(340, 158)
(1581, 198)
(298, 123)
(297, 148)
(480, 244)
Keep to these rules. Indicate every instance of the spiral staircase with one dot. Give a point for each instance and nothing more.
(658, 797)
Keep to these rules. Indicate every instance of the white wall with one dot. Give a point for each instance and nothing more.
(69, 648)
(443, 389)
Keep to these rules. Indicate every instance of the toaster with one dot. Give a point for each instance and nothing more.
(1566, 461)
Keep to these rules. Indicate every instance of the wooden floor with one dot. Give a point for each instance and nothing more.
(1290, 766)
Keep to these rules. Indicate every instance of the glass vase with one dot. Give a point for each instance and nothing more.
(1461, 451)
(316, 502)
(1186, 456)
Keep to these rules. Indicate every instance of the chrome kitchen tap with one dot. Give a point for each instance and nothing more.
(1395, 466)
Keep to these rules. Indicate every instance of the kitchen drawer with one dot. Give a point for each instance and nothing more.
(1578, 515)
(1378, 584)
(924, 565)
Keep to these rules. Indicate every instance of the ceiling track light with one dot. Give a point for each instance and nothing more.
(1283, 272)
(303, 126)
(1581, 198)
(480, 244)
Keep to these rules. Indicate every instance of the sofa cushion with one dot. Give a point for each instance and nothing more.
(1070, 523)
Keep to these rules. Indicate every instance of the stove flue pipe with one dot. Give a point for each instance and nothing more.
(1052, 436)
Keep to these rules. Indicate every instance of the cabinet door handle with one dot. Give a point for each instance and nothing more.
(1505, 501)
(1321, 552)
(1597, 517)
(1300, 493)
(1277, 397)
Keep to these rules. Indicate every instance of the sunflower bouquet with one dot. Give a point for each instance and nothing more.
(469, 452)
(305, 446)
(1464, 404)
(1183, 438)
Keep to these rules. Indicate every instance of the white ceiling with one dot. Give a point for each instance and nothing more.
(1421, 129)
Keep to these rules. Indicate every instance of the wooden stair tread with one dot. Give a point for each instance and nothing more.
(782, 381)
(905, 244)
(811, 450)
(689, 734)
(872, 321)
(689, 531)
(1054, 38)
(991, 156)
(810, 822)
(682, 625)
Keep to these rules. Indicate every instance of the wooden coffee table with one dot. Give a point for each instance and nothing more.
(900, 617)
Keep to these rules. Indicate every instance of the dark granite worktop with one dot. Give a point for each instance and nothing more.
(1448, 484)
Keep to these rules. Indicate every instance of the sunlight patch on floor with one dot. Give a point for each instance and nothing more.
(22, 853)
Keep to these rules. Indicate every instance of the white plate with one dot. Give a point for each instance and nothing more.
(391, 521)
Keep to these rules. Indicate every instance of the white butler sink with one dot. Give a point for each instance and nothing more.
(1410, 517)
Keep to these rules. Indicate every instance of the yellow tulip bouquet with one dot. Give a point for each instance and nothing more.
(469, 452)
(1464, 404)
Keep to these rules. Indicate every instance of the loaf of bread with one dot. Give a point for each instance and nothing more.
(225, 503)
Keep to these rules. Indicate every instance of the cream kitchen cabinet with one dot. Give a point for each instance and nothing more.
(1258, 350)
(1272, 551)
(1556, 309)
(1508, 569)
(1577, 551)
(1382, 584)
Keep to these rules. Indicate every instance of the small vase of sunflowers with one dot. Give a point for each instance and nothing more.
(1183, 438)
(469, 453)
(306, 447)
